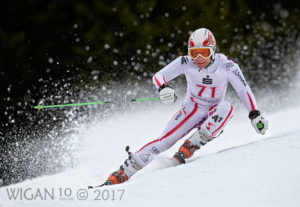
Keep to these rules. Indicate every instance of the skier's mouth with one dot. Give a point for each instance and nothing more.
(201, 63)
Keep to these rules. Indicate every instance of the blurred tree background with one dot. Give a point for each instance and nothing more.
(50, 47)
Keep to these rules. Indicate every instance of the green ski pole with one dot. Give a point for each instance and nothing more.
(39, 107)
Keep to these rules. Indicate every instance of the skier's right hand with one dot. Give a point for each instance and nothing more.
(167, 94)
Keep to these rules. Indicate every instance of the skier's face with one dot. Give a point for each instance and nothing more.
(201, 62)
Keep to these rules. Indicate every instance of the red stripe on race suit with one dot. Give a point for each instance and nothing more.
(157, 82)
(164, 80)
(229, 114)
(174, 129)
(251, 102)
(211, 108)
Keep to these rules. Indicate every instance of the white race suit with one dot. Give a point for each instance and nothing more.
(204, 105)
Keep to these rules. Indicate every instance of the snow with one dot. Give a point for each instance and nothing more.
(240, 168)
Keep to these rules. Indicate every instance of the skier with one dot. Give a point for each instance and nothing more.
(207, 74)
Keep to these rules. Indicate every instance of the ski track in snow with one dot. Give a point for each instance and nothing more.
(239, 168)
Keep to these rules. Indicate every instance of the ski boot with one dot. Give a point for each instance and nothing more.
(190, 145)
(124, 173)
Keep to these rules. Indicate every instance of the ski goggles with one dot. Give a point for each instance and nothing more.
(204, 52)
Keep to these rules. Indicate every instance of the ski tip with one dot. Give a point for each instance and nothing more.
(98, 186)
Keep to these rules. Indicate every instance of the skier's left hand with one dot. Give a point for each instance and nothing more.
(259, 123)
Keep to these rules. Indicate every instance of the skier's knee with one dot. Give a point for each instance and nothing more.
(215, 124)
(225, 107)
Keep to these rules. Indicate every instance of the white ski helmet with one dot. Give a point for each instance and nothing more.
(202, 38)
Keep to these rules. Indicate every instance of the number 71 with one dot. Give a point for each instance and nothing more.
(213, 90)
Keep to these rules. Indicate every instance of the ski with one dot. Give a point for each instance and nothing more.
(98, 186)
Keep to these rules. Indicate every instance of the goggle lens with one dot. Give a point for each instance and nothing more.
(203, 52)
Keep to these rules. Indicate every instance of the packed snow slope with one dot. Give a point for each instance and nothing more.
(239, 168)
